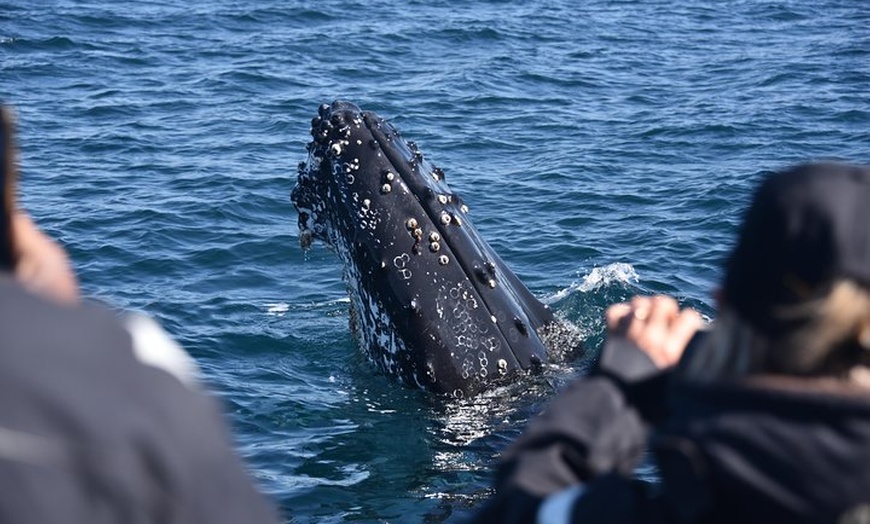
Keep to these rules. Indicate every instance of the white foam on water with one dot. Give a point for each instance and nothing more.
(616, 273)
(277, 309)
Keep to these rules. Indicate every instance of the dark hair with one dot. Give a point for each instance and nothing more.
(7, 188)
(829, 337)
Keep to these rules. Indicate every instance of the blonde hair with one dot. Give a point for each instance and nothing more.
(830, 337)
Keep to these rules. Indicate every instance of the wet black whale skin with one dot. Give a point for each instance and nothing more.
(432, 303)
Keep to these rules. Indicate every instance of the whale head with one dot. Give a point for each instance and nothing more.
(431, 302)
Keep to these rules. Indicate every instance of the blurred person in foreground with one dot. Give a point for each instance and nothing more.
(100, 421)
(765, 418)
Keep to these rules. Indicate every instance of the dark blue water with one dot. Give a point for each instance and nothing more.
(604, 150)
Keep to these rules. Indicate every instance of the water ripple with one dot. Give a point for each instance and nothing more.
(160, 142)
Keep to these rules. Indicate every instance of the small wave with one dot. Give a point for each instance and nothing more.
(279, 309)
(349, 475)
(618, 272)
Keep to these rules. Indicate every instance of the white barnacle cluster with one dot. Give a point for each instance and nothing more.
(388, 179)
(350, 168)
(473, 339)
(367, 213)
(313, 164)
(309, 201)
(448, 216)
(434, 240)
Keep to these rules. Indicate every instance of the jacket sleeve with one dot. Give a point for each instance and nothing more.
(588, 431)
(578, 456)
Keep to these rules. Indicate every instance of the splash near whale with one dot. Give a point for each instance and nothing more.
(431, 302)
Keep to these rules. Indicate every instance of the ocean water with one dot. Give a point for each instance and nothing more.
(605, 149)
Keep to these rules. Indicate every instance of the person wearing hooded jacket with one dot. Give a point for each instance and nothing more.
(763, 417)
(101, 420)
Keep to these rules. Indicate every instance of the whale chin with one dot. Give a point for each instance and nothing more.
(431, 302)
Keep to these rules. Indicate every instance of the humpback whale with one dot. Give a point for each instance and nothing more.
(431, 302)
